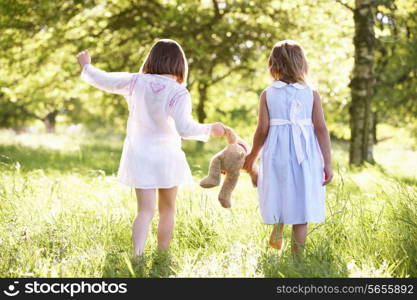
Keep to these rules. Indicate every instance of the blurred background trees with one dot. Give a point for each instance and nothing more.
(227, 44)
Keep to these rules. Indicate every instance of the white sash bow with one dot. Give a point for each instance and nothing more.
(297, 127)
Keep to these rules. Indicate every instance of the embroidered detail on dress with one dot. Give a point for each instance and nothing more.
(296, 109)
(176, 97)
(157, 86)
(133, 83)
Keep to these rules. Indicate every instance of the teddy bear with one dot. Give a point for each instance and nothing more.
(229, 161)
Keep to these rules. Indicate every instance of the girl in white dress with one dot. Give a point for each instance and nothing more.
(159, 116)
(295, 164)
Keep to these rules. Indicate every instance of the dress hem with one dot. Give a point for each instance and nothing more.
(168, 186)
(294, 223)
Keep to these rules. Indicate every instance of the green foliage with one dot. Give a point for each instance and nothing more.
(396, 69)
(227, 44)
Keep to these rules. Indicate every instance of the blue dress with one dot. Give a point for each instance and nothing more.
(290, 179)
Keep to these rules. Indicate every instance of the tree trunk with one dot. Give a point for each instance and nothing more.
(362, 84)
(50, 121)
(202, 99)
(374, 128)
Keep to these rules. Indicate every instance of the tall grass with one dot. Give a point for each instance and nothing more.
(62, 214)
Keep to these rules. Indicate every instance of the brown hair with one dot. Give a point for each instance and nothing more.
(166, 57)
(287, 62)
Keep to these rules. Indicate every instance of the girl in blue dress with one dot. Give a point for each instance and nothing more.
(295, 163)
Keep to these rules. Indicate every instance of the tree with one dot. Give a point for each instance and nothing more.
(219, 38)
(396, 63)
(384, 77)
(32, 44)
(226, 42)
(362, 84)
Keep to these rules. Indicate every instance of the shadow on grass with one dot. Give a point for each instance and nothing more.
(117, 264)
(159, 264)
(320, 262)
(163, 264)
(89, 157)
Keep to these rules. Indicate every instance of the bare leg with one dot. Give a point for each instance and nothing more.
(166, 206)
(276, 239)
(299, 233)
(146, 210)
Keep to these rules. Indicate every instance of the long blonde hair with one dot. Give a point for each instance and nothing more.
(287, 62)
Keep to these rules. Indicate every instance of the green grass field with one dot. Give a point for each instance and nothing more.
(62, 214)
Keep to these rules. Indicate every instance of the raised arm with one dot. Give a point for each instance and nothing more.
(323, 137)
(112, 82)
(187, 127)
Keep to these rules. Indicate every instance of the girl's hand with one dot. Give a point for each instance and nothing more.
(218, 130)
(328, 174)
(83, 58)
(249, 162)
(254, 176)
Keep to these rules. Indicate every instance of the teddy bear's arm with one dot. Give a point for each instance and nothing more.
(213, 177)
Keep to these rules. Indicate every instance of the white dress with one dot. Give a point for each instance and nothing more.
(291, 170)
(159, 115)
